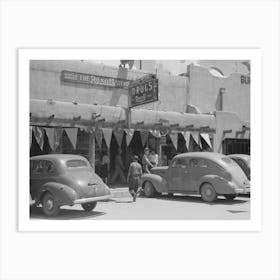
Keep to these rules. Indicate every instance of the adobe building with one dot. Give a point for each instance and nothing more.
(82, 108)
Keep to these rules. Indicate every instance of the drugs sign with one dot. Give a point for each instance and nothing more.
(143, 91)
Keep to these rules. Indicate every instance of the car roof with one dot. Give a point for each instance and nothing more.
(57, 157)
(206, 155)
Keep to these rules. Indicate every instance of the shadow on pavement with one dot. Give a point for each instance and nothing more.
(64, 214)
(198, 199)
(236, 211)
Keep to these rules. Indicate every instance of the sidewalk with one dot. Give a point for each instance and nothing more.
(119, 191)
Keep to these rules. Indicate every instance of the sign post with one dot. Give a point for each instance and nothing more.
(141, 91)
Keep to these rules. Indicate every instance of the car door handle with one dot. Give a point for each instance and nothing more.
(186, 171)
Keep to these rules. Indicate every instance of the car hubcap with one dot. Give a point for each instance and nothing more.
(208, 192)
(49, 204)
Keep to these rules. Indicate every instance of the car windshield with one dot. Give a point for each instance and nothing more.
(227, 160)
(76, 163)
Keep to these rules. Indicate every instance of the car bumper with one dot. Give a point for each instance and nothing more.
(244, 190)
(92, 199)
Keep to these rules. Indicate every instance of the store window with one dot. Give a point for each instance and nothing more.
(236, 146)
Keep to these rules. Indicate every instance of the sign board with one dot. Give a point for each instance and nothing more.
(143, 91)
(94, 80)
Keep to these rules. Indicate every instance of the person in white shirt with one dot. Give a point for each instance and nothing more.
(153, 157)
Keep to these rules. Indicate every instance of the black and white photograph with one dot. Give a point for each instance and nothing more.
(140, 139)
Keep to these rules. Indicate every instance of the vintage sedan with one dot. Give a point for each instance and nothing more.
(244, 161)
(200, 173)
(64, 179)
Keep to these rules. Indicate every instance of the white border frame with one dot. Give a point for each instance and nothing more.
(27, 224)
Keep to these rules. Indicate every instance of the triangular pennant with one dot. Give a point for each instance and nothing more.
(50, 134)
(98, 136)
(57, 136)
(174, 139)
(129, 135)
(107, 133)
(119, 136)
(195, 136)
(187, 135)
(144, 136)
(206, 137)
(155, 133)
(39, 136)
(30, 136)
(72, 134)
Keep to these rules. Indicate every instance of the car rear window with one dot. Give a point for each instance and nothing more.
(227, 160)
(76, 163)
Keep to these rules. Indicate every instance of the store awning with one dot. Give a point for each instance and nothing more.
(148, 119)
(67, 114)
(57, 113)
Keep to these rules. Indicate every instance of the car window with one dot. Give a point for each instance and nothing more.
(202, 163)
(76, 163)
(37, 167)
(49, 167)
(180, 162)
(194, 162)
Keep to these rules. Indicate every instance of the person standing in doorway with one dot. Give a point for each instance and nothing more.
(153, 157)
(119, 168)
(105, 167)
(147, 165)
(134, 177)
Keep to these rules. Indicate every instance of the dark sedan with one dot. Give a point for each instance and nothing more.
(63, 179)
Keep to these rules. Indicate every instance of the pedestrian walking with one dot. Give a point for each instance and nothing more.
(147, 165)
(119, 168)
(134, 177)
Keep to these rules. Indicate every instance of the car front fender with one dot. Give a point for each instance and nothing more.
(63, 194)
(220, 184)
(158, 182)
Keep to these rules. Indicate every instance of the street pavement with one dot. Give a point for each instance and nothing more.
(178, 207)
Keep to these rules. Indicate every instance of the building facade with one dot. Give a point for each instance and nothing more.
(82, 107)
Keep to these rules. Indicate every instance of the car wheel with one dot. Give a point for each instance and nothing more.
(149, 189)
(89, 206)
(170, 194)
(50, 206)
(230, 196)
(208, 193)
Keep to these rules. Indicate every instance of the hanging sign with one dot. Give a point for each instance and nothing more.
(107, 133)
(174, 139)
(129, 135)
(143, 91)
(206, 137)
(72, 134)
(119, 136)
(50, 134)
(94, 80)
(187, 135)
(144, 137)
(98, 137)
(39, 136)
(57, 137)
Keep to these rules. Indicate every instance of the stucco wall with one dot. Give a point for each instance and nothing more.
(45, 83)
(204, 91)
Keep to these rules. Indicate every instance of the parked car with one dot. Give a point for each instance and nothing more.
(244, 161)
(203, 173)
(64, 179)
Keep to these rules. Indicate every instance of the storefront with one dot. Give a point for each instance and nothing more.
(72, 111)
(94, 130)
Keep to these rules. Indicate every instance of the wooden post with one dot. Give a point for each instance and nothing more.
(92, 149)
